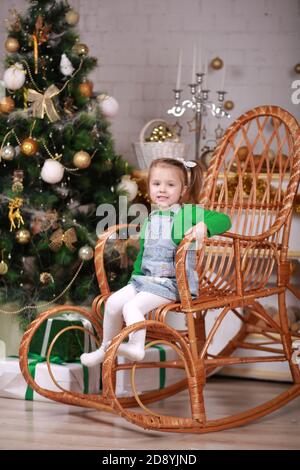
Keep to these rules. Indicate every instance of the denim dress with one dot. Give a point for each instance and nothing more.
(158, 262)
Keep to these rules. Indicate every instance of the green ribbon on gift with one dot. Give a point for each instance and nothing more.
(162, 372)
(85, 377)
(37, 359)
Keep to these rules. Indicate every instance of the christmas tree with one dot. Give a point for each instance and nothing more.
(57, 161)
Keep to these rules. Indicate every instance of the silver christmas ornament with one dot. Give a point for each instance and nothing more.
(86, 253)
(8, 152)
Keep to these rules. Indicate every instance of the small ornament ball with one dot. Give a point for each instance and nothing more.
(23, 236)
(29, 146)
(86, 253)
(3, 268)
(8, 152)
(52, 171)
(229, 105)
(109, 105)
(217, 63)
(243, 152)
(72, 17)
(86, 89)
(80, 49)
(46, 278)
(297, 68)
(7, 104)
(82, 159)
(12, 44)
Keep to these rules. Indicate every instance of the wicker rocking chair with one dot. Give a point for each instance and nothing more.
(253, 177)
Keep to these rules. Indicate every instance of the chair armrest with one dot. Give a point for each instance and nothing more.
(233, 247)
(99, 255)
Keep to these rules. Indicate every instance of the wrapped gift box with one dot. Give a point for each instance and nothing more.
(70, 376)
(152, 378)
(71, 344)
(277, 371)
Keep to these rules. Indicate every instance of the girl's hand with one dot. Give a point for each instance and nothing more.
(198, 232)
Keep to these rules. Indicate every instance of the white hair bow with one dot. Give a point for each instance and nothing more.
(187, 163)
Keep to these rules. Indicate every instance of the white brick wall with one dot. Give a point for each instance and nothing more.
(137, 41)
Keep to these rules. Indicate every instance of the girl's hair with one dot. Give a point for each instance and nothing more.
(192, 181)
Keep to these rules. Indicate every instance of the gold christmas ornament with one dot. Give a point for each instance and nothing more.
(42, 103)
(14, 212)
(80, 49)
(17, 187)
(228, 105)
(86, 89)
(72, 17)
(86, 253)
(297, 68)
(46, 278)
(23, 236)
(82, 159)
(7, 152)
(3, 268)
(17, 178)
(217, 63)
(59, 237)
(12, 44)
(29, 146)
(7, 104)
(243, 152)
(162, 133)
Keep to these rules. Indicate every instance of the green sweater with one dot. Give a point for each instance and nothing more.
(188, 216)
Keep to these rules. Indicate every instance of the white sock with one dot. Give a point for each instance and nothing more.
(112, 324)
(135, 348)
(96, 357)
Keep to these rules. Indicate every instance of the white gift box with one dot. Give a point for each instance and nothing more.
(70, 376)
(277, 371)
(152, 378)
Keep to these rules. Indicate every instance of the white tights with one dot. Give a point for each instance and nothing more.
(131, 305)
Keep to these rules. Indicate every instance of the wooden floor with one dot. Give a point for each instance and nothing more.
(41, 425)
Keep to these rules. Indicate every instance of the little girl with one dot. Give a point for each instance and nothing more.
(153, 281)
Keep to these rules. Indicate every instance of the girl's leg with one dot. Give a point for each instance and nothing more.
(133, 312)
(112, 323)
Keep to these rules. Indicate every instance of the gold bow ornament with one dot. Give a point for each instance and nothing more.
(59, 237)
(42, 103)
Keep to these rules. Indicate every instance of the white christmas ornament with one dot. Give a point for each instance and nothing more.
(14, 76)
(128, 186)
(66, 66)
(52, 171)
(108, 105)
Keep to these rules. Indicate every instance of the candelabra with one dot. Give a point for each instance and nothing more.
(199, 104)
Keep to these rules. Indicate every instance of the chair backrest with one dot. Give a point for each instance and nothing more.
(253, 177)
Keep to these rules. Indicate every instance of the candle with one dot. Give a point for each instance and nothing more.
(194, 65)
(200, 60)
(205, 71)
(223, 78)
(179, 70)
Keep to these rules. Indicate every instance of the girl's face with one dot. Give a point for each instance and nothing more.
(166, 186)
